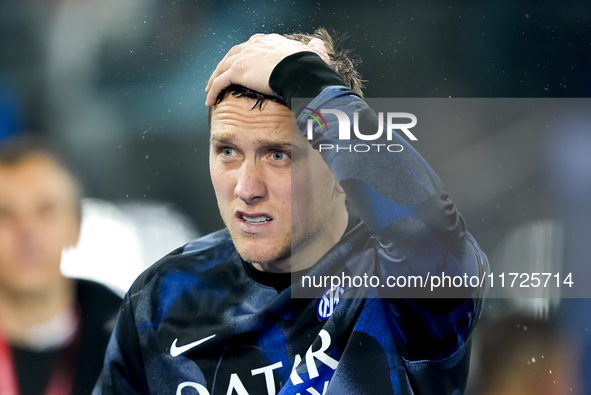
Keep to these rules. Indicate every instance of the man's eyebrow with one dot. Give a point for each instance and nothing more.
(230, 138)
(278, 144)
(223, 138)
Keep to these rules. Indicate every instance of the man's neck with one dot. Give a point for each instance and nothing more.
(20, 312)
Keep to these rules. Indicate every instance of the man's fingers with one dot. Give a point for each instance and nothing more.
(217, 85)
(256, 36)
(251, 63)
(234, 50)
(317, 45)
(221, 68)
(227, 61)
(213, 76)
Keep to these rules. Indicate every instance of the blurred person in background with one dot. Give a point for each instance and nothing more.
(53, 329)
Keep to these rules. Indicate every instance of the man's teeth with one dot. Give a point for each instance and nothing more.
(256, 220)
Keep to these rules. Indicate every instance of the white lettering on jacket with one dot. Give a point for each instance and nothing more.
(235, 385)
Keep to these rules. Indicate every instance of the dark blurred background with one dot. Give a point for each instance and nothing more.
(119, 84)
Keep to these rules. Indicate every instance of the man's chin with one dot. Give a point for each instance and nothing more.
(260, 252)
(264, 257)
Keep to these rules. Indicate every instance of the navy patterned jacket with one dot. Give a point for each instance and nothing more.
(202, 321)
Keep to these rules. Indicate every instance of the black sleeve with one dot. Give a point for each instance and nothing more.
(302, 75)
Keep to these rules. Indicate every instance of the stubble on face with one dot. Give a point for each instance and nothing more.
(264, 256)
(308, 215)
(248, 180)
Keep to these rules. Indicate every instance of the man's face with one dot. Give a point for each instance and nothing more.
(254, 163)
(38, 218)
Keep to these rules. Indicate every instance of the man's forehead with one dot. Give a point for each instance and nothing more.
(233, 137)
(273, 125)
(246, 110)
(36, 181)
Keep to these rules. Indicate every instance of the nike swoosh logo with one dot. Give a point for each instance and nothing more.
(176, 351)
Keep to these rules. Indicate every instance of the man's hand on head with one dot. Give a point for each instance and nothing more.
(250, 64)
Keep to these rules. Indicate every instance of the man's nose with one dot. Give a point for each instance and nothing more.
(27, 227)
(250, 185)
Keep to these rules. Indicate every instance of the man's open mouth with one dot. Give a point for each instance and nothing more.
(258, 220)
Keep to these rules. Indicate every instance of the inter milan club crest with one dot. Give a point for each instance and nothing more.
(328, 302)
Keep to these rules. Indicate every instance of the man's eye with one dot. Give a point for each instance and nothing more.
(278, 155)
(4, 214)
(227, 151)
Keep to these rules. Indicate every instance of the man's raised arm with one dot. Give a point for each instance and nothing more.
(398, 195)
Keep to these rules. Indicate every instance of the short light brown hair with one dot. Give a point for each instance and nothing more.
(340, 61)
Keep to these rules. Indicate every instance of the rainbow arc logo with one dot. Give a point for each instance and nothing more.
(316, 118)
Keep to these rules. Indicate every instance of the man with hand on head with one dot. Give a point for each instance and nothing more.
(53, 330)
(218, 316)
